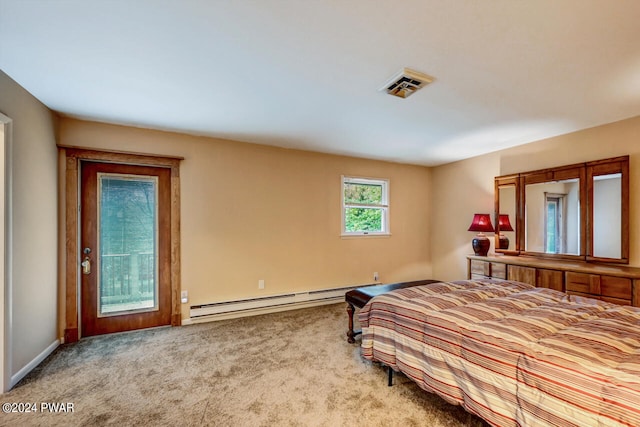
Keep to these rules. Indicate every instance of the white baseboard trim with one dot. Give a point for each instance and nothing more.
(15, 379)
(261, 310)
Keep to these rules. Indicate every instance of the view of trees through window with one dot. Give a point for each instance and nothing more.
(127, 243)
(364, 206)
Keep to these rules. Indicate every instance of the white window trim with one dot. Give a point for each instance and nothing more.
(384, 206)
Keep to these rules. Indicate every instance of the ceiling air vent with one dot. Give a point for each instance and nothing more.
(405, 83)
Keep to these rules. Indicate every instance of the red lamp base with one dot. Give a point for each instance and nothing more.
(503, 242)
(481, 244)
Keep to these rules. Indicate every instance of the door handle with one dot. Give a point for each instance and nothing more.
(86, 264)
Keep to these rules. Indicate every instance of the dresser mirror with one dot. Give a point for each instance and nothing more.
(552, 217)
(554, 212)
(608, 189)
(576, 212)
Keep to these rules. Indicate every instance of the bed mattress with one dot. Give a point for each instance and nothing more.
(511, 353)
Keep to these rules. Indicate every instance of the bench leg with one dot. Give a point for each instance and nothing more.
(390, 382)
(350, 333)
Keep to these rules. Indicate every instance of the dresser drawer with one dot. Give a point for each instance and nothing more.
(487, 270)
(498, 270)
(582, 283)
(522, 274)
(480, 268)
(552, 279)
(615, 287)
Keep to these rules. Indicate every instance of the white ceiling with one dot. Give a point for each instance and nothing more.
(305, 73)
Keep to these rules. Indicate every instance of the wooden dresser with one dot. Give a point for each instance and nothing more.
(614, 283)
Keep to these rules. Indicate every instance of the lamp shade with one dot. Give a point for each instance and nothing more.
(504, 224)
(481, 223)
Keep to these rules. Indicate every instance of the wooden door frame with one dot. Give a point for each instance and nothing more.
(73, 156)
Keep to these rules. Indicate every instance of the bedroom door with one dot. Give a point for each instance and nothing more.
(125, 247)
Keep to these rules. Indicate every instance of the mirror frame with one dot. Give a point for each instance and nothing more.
(585, 172)
(606, 167)
(507, 181)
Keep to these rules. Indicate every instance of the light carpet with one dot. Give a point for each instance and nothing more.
(292, 368)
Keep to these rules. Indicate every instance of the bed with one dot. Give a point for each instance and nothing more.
(513, 354)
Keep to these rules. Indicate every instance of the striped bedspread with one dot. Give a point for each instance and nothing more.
(513, 354)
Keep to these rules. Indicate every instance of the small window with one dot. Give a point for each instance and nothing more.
(365, 206)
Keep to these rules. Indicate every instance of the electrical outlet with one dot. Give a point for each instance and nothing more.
(261, 284)
(376, 277)
(184, 297)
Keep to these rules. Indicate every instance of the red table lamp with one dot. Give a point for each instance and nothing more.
(482, 224)
(504, 225)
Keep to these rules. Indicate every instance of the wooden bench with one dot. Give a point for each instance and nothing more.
(360, 296)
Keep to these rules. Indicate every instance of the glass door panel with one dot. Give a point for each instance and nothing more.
(128, 240)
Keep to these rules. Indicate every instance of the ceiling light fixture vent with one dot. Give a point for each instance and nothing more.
(406, 82)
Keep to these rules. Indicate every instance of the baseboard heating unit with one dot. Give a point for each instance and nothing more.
(267, 304)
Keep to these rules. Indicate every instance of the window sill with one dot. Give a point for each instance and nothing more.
(366, 236)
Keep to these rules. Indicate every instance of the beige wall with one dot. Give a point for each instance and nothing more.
(252, 212)
(33, 299)
(463, 188)
(459, 190)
